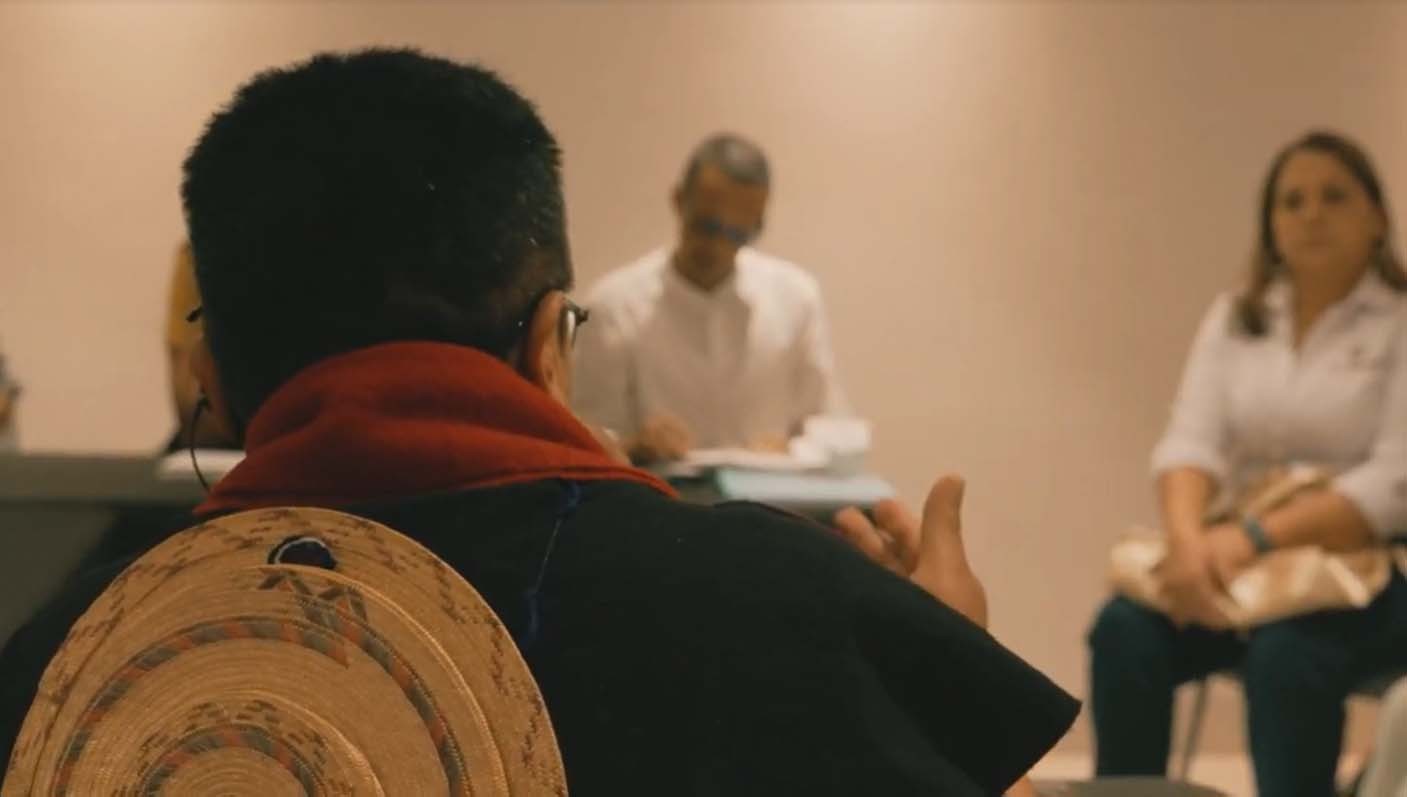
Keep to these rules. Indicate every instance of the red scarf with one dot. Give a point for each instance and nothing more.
(408, 419)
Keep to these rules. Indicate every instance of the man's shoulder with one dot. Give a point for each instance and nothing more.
(646, 525)
(638, 280)
(634, 499)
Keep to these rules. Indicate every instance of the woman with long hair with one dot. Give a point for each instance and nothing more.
(1306, 365)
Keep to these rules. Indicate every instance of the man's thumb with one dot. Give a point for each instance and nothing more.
(942, 512)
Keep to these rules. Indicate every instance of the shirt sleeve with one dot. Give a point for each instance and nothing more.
(1196, 436)
(602, 381)
(975, 703)
(1378, 486)
(859, 681)
(818, 390)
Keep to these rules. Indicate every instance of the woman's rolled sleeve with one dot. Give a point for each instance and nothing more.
(1378, 486)
(1196, 434)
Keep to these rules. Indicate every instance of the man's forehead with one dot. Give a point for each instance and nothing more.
(713, 187)
(1308, 167)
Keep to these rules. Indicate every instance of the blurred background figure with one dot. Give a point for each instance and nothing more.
(708, 343)
(182, 335)
(136, 527)
(9, 397)
(1307, 366)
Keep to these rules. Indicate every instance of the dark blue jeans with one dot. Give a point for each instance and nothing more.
(1297, 674)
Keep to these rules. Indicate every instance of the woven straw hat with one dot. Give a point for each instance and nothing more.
(205, 669)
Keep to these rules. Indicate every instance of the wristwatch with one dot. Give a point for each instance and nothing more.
(1256, 532)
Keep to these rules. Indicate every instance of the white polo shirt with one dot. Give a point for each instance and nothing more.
(1340, 401)
(746, 361)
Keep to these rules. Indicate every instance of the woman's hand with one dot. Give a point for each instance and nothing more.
(1230, 550)
(1190, 581)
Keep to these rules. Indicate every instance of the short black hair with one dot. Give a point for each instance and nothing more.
(360, 198)
(732, 154)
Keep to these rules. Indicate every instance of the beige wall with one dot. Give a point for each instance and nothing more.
(1017, 211)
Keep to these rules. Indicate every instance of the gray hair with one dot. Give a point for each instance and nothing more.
(733, 155)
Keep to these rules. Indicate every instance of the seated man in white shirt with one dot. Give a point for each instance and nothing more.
(708, 343)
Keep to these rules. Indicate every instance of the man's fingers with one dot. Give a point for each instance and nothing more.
(857, 529)
(943, 509)
(902, 527)
(942, 522)
(852, 521)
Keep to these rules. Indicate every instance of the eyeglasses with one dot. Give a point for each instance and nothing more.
(713, 228)
(573, 317)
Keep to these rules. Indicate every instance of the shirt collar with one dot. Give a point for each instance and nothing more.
(739, 288)
(1371, 293)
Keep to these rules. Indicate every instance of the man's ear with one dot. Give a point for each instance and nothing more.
(212, 391)
(543, 357)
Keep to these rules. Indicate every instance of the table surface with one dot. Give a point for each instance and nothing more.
(91, 479)
(110, 479)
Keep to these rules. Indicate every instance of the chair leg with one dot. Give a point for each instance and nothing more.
(1194, 730)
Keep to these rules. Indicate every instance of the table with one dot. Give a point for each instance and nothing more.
(814, 495)
(55, 508)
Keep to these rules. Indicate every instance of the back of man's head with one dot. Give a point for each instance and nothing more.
(358, 199)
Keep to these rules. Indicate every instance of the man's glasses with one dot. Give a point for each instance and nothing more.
(713, 228)
(573, 316)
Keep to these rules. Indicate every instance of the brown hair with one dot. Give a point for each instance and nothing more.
(1266, 263)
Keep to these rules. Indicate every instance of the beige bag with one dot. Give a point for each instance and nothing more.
(1281, 584)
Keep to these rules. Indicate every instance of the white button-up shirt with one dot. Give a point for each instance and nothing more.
(747, 361)
(1340, 402)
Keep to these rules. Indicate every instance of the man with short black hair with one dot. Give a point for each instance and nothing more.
(710, 343)
(381, 251)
